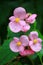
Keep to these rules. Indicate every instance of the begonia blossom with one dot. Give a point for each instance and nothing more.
(35, 42)
(18, 44)
(17, 22)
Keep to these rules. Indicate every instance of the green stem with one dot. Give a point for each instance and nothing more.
(35, 25)
(41, 61)
(31, 61)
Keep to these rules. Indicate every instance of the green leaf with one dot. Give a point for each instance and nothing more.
(15, 63)
(19, 63)
(40, 54)
(34, 56)
(6, 54)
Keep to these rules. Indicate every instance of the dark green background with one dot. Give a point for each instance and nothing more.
(6, 10)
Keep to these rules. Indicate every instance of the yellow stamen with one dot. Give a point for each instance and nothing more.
(17, 20)
(19, 43)
(34, 41)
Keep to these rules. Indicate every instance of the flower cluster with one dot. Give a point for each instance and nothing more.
(26, 45)
(20, 21)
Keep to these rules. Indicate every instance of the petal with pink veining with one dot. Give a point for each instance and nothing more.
(31, 19)
(33, 35)
(20, 12)
(24, 39)
(27, 15)
(22, 23)
(25, 28)
(16, 39)
(36, 47)
(21, 48)
(14, 27)
(33, 16)
(13, 46)
(39, 40)
(12, 18)
(30, 43)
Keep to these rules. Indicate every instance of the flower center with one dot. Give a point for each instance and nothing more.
(19, 43)
(27, 47)
(35, 41)
(17, 20)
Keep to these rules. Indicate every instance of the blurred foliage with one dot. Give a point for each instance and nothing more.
(6, 55)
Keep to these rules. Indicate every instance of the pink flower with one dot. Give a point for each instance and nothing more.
(30, 18)
(17, 22)
(17, 45)
(27, 52)
(35, 42)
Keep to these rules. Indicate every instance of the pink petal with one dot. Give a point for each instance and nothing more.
(21, 48)
(22, 23)
(25, 28)
(14, 27)
(27, 15)
(31, 19)
(24, 39)
(33, 35)
(36, 47)
(30, 43)
(39, 40)
(26, 52)
(16, 39)
(11, 18)
(13, 46)
(20, 12)
(33, 16)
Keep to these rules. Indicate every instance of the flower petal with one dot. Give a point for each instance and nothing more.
(22, 23)
(20, 12)
(39, 40)
(14, 27)
(24, 39)
(16, 39)
(36, 47)
(26, 52)
(27, 15)
(13, 46)
(25, 28)
(33, 35)
(31, 19)
(21, 48)
(30, 43)
(11, 18)
(33, 16)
